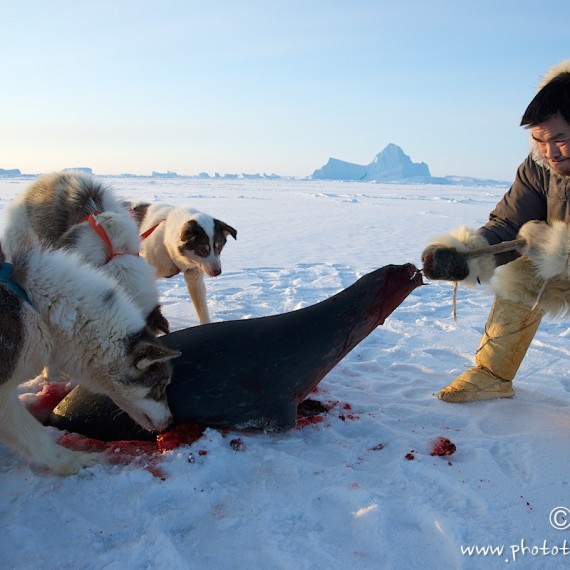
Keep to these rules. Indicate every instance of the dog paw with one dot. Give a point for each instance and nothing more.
(70, 462)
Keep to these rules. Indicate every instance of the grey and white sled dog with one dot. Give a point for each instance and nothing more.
(78, 319)
(75, 211)
(178, 239)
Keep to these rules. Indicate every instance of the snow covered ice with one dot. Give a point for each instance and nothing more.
(359, 489)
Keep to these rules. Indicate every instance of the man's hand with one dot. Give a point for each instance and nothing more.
(444, 263)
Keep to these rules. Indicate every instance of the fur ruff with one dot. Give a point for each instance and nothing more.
(553, 72)
(465, 239)
(519, 281)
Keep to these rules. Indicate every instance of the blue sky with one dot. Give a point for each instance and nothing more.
(271, 86)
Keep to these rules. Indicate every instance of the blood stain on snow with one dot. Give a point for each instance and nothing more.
(41, 404)
(442, 446)
(237, 444)
(143, 453)
(311, 412)
(183, 434)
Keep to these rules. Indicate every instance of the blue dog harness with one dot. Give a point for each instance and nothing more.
(6, 279)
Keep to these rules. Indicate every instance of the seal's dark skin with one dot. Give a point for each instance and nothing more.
(253, 373)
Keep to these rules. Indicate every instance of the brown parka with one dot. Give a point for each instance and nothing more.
(537, 193)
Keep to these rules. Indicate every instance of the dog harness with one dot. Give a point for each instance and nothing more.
(144, 235)
(100, 230)
(148, 232)
(6, 279)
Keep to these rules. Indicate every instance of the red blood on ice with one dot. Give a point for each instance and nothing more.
(126, 451)
(183, 434)
(81, 443)
(442, 446)
(310, 412)
(304, 422)
(309, 407)
(41, 405)
(410, 456)
(143, 453)
(237, 444)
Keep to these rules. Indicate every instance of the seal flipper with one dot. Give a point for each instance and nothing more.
(254, 372)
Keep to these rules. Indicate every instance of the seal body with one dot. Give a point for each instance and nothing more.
(253, 373)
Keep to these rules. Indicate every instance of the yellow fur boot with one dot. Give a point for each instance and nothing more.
(508, 333)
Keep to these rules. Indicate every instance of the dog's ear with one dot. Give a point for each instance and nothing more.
(189, 231)
(225, 228)
(147, 354)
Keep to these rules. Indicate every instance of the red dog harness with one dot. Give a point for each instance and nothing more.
(100, 230)
(148, 232)
(144, 235)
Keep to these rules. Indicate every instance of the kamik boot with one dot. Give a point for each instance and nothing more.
(508, 333)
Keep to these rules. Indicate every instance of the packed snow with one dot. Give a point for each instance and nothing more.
(359, 489)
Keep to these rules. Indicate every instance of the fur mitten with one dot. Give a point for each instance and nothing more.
(548, 246)
(444, 258)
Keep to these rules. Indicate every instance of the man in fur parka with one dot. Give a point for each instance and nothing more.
(530, 282)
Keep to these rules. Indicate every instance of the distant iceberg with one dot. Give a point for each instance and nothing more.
(393, 165)
(242, 175)
(336, 169)
(390, 165)
(10, 172)
(81, 169)
(167, 174)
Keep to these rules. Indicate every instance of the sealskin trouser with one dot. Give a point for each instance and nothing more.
(508, 333)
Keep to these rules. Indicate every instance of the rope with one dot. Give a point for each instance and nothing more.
(492, 250)
(455, 287)
(528, 324)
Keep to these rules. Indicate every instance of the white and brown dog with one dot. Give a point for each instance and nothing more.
(177, 239)
(75, 211)
(74, 317)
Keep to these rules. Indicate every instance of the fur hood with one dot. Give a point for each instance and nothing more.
(554, 71)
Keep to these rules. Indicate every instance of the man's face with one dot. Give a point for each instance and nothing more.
(553, 141)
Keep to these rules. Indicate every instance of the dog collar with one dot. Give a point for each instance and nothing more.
(6, 279)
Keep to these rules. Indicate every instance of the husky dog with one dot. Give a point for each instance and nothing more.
(180, 239)
(80, 321)
(75, 211)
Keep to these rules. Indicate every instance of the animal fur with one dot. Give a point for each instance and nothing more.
(53, 212)
(548, 245)
(520, 282)
(80, 321)
(183, 240)
(465, 239)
